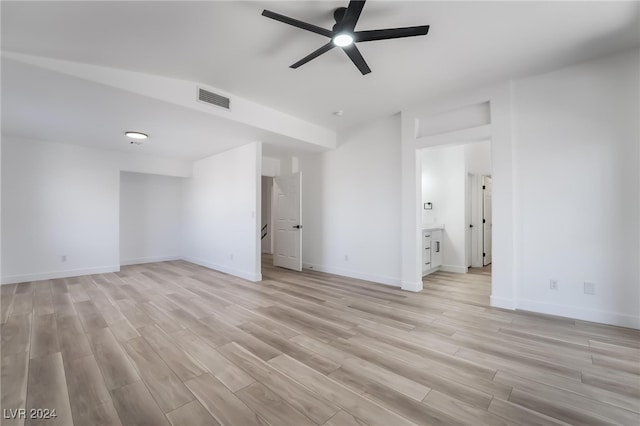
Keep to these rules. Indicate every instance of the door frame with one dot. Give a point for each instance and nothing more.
(484, 249)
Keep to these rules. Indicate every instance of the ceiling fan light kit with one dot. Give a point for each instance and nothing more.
(344, 35)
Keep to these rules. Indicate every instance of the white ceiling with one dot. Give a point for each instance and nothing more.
(229, 45)
(44, 105)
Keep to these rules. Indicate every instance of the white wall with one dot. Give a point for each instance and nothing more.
(477, 158)
(576, 141)
(566, 189)
(351, 205)
(150, 218)
(63, 200)
(222, 212)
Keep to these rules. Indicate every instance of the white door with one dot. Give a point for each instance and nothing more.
(486, 218)
(287, 224)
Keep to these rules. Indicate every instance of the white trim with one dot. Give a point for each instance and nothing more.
(409, 286)
(11, 279)
(455, 269)
(472, 134)
(502, 302)
(142, 260)
(395, 282)
(568, 311)
(250, 276)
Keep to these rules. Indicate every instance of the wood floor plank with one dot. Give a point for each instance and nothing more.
(222, 403)
(114, 364)
(254, 345)
(43, 301)
(271, 407)
(224, 370)
(24, 288)
(91, 402)
(461, 411)
(6, 301)
(161, 319)
(73, 341)
(16, 334)
(90, 316)
(44, 335)
(556, 409)
(290, 347)
(389, 398)
(304, 348)
(191, 414)
(623, 385)
(519, 415)
(47, 389)
(123, 331)
(177, 360)
(337, 393)
(15, 368)
(312, 405)
(401, 384)
(342, 418)
(22, 304)
(428, 378)
(444, 370)
(166, 388)
(559, 398)
(136, 406)
(63, 305)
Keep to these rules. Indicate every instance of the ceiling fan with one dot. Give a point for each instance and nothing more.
(344, 35)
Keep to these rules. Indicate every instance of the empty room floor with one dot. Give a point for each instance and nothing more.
(175, 343)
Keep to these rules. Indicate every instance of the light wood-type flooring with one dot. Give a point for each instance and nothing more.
(175, 343)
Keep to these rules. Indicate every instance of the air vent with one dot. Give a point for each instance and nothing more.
(213, 98)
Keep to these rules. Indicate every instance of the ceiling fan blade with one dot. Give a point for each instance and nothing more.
(296, 23)
(354, 54)
(314, 55)
(391, 33)
(352, 14)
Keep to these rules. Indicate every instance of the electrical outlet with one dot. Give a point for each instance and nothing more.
(346, 257)
(589, 288)
(63, 258)
(553, 285)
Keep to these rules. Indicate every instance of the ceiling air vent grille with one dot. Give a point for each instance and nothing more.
(213, 98)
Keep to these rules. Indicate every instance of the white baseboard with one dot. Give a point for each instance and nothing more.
(455, 269)
(11, 279)
(575, 312)
(411, 286)
(380, 279)
(141, 260)
(502, 302)
(250, 276)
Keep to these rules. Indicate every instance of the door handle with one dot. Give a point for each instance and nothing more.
(297, 226)
(437, 246)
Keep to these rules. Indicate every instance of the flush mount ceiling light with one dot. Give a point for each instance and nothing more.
(136, 135)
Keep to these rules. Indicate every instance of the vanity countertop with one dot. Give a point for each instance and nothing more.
(432, 226)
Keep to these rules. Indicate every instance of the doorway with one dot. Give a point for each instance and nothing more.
(456, 197)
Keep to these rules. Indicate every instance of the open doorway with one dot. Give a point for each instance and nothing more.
(456, 208)
(281, 211)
